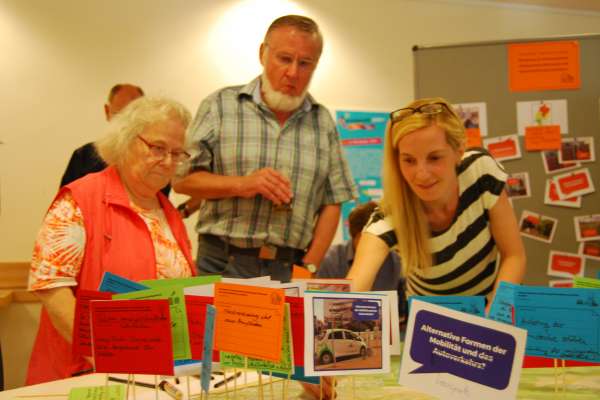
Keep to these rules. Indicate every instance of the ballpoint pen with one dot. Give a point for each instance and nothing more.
(228, 379)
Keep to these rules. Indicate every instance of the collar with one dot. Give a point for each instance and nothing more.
(115, 190)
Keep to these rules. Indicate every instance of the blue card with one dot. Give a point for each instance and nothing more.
(114, 283)
(561, 323)
(207, 349)
(474, 305)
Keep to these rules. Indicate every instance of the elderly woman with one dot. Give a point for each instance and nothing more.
(444, 210)
(116, 220)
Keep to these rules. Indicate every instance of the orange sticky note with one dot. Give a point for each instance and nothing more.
(543, 137)
(544, 66)
(249, 320)
(473, 137)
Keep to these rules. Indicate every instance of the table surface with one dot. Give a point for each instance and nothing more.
(581, 383)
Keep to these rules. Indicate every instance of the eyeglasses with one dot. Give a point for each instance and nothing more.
(427, 109)
(161, 152)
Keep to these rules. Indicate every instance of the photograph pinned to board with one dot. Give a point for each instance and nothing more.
(565, 265)
(590, 249)
(537, 226)
(551, 197)
(568, 283)
(542, 112)
(553, 165)
(587, 227)
(346, 334)
(473, 116)
(577, 149)
(517, 185)
(503, 148)
(574, 183)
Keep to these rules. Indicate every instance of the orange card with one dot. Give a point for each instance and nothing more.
(299, 272)
(544, 66)
(543, 137)
(249, 320)
(473, 137)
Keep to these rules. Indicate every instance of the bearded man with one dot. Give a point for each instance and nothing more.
(268, 164)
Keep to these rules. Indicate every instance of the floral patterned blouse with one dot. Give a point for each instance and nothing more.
(60, 244)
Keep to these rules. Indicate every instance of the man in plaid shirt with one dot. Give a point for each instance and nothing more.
(268, 164)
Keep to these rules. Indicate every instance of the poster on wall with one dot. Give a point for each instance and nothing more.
(362, 134)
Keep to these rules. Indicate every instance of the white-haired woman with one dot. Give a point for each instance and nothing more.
(116, 220)
(444, 210)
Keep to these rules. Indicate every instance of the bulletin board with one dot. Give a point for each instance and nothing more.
(479, 72)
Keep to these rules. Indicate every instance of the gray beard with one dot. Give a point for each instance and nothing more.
(278, 101)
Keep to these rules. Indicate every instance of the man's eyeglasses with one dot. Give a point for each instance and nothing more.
(427, 109)
(161, 152)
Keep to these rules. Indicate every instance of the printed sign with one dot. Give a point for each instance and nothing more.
(453, 355)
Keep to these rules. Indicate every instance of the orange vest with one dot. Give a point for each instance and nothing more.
(117, 240)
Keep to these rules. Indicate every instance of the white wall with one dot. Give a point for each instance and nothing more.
(60, 57)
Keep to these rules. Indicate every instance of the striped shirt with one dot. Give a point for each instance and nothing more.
(234, 133)
(464, 254)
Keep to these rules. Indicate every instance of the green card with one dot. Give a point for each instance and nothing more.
(581, 282)
(182, 282)
(285, 366)
(179, 325)
(115, 392)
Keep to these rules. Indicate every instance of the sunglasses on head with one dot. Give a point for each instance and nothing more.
(427, 109)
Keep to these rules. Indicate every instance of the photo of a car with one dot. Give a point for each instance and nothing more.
(339, 343)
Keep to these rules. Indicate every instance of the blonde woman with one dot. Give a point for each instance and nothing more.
(444, 210)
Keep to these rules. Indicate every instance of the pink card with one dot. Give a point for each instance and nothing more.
(132, 336)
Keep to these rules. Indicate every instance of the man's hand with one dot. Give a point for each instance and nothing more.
(269, 183)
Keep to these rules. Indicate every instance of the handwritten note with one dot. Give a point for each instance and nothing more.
(115, 392)
(249, 320)
(179, 326)
(284, 366)
(561, 322)
(114, 283)
(82, 341)
(474, 305)
(132, 337)
(207, 349)
(543, 137)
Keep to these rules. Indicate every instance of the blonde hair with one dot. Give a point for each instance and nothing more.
(399, 201)
(132, 121)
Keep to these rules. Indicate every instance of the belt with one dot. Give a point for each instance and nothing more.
(265, 252)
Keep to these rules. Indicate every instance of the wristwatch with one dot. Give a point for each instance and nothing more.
(312, 268)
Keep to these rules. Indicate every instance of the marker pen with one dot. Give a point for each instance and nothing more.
(171, 390)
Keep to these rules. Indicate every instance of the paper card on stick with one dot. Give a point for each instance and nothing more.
(565, 264)
(132, 337)
(249, 320)
(583, 282)
(179, 327)
(545, 137)
(115, 392)
(114, 283)
(196, 308)
(284, 366)
(453, 355)
(207, 346)
(551, 65)
(183, 282)
(346, 333)
(474, 305)
(326, 284)
(82, 339)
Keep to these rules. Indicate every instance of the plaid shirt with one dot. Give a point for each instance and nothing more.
(234, 133)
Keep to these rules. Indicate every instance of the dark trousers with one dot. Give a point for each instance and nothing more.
(216, 256)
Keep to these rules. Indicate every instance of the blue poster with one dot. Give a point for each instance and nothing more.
(362, 134)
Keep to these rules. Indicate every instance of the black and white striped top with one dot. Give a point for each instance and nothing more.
(464, 255)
